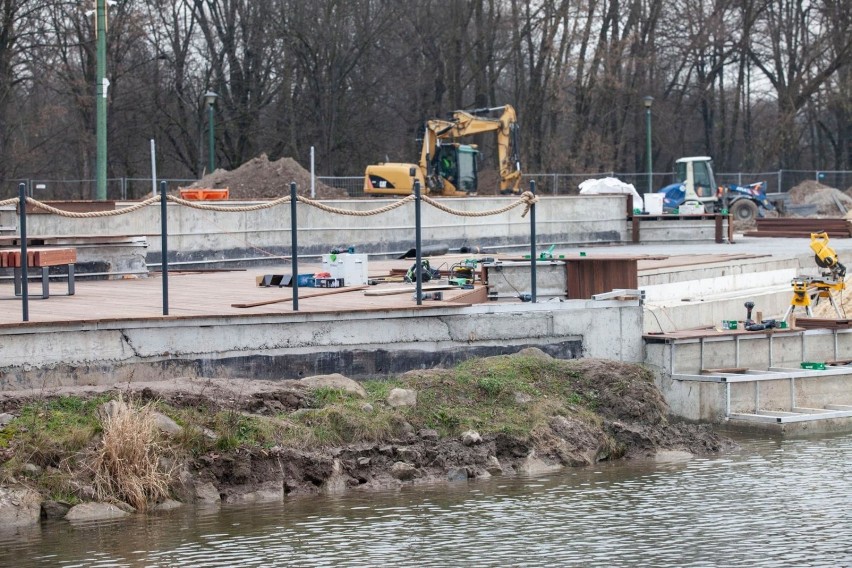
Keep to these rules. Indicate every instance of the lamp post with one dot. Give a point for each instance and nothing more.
(101, 100)
(210, 98)
(648, 101)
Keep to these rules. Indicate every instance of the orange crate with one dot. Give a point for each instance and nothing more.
(204, 194)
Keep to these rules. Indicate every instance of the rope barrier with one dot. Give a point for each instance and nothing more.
(92, 214)
(377, 211)
(229, 208)
(527, 198)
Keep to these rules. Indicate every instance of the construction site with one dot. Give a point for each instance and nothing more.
(743, 325)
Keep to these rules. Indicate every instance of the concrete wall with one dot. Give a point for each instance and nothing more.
(204, 234)
(706, 401)
(291, 345)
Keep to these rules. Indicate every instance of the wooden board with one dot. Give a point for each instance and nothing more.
(39, 257)
(54, 256)
(305, 297)
(407, 290)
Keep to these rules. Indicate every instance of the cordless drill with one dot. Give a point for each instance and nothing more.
(751, 326)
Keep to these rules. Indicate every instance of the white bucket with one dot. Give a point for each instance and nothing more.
(654, 203)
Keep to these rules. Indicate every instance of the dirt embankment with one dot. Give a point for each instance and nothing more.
(245, 441)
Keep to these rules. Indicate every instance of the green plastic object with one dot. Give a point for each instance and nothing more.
(813, 366)
(729, 324)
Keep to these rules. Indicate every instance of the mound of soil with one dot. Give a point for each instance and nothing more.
(261, 179)
(578, 412)
(824, 197)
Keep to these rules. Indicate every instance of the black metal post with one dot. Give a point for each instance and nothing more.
(294, 246)
(533, 260)
(418, 269)
(164, 246)
(25, 292)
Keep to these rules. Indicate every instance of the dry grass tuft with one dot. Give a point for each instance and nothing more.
(126, 464)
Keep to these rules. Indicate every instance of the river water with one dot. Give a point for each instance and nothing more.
(775, 502)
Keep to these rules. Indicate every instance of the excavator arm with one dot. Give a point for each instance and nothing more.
(469, 123)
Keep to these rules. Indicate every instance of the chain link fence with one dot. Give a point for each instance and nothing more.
(126, 189)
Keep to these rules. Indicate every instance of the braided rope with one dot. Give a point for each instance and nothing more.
(92, 214)
(527, 198)
(229, 208)
(377, 211)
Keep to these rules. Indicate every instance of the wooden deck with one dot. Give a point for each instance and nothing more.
(210, 294)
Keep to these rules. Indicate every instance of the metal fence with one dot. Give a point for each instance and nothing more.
(123, 189)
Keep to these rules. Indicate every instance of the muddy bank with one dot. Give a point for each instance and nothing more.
(237, 441)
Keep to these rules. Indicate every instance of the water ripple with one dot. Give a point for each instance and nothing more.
(775, 503)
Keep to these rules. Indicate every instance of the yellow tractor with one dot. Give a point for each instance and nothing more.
(448, 167)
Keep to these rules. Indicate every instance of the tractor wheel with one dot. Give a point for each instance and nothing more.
(743, 210)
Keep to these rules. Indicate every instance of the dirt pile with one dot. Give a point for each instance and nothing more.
(261, 179)
(824, 197)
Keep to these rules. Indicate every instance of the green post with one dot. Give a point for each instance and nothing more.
(101, 103)
(210, 98)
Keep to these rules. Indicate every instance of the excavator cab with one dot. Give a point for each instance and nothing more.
(456, 165)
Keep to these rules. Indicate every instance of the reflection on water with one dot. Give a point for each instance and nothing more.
(774, 503)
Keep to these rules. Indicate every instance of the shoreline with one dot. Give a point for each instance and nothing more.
(245, 441)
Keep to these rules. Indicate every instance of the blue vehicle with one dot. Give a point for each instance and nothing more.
(696, 183)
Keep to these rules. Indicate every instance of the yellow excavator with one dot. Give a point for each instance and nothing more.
(812, 288)
(448, 167)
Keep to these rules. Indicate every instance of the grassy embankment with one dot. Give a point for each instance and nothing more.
(125, 457)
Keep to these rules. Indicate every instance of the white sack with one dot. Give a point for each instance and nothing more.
(610, 185)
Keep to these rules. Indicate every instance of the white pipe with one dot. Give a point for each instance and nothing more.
(313, 176)
(153, 168)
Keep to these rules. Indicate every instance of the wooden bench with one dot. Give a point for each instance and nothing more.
(42, 258)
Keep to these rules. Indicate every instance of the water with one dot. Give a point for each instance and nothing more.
(774, 503)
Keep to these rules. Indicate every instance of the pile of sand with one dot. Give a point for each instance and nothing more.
(842, 298)
(824, 197)
(261, 179)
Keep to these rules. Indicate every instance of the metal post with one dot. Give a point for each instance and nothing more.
(164, 246)
(22, 208)
(294, 246)
(418, 269)
(101, 100)
(533, 278)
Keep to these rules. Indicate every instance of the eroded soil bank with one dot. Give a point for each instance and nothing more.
(143, 446)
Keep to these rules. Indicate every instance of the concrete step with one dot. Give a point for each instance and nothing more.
(681, 312)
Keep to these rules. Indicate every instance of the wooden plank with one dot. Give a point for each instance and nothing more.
(407, 290)
(479, 295)
(305, 297)
(724, 371)
(54, 256)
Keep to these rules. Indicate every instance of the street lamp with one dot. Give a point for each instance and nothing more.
(101, 100)
(210, 98)
(648, 101)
